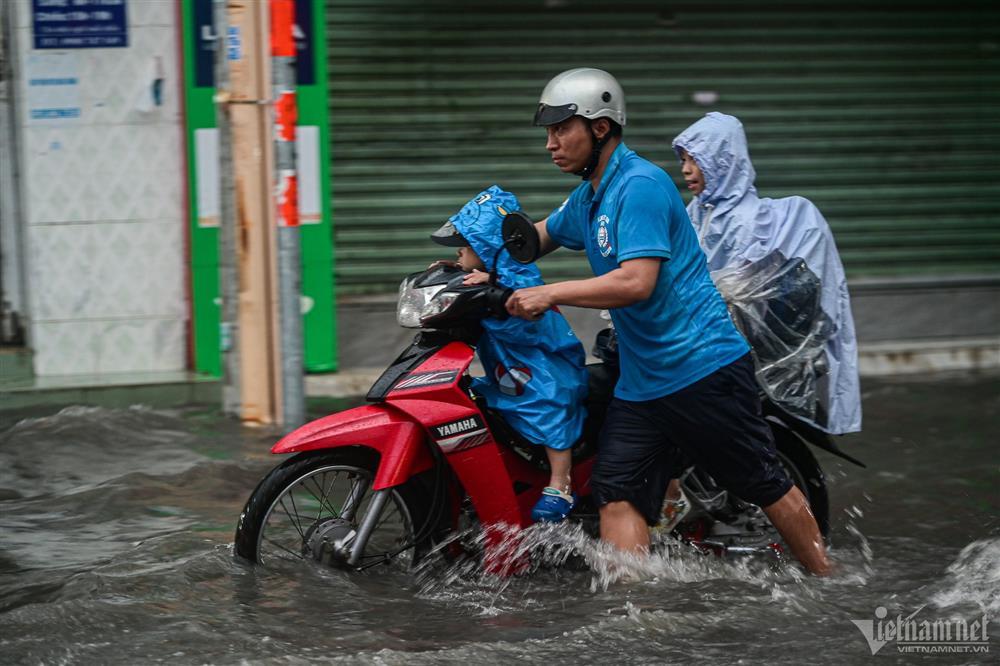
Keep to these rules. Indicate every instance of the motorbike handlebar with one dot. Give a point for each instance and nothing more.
(496, 300)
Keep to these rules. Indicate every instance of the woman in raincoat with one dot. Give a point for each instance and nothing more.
(776, 263)
(535, 374)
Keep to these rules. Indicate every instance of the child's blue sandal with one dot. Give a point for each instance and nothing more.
(553, 506)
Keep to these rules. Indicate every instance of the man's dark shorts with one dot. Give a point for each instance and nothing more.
(715, 423)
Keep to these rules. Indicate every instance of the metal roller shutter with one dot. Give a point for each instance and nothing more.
(885, 119)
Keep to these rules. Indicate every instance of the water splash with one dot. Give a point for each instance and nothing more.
(973, 578)
(547, 547)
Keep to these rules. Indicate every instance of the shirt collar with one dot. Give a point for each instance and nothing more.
(609, 173)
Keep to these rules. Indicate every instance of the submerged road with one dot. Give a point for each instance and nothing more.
(116, 525)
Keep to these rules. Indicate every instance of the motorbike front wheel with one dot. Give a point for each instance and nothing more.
(317, 506)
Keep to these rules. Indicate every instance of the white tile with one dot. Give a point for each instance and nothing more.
(141, 345)
(103, 172)
(65, 348)
(141, 267)
(152, 12)
(135, 173)
(62, 283)
(114, 175)
(108, 346)
(57, 173)
(95, 271)
(169, 349)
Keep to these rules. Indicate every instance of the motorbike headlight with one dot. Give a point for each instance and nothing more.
(413, 302)
(438, 304)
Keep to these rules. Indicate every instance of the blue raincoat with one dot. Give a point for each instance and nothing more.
(766, 255)
(535, 372)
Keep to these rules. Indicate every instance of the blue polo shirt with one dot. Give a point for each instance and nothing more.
(682, 332)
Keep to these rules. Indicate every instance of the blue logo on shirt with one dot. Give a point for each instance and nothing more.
(603, 238)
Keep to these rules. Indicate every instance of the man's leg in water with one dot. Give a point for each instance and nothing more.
(624, 527)
(797, 526)
(630, 475)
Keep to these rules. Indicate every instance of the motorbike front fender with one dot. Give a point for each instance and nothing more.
(399, 440)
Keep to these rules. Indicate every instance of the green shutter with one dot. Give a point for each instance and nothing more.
(887, 120)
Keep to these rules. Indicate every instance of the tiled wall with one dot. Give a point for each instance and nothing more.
(104, 206)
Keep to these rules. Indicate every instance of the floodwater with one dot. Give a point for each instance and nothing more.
(116, 525)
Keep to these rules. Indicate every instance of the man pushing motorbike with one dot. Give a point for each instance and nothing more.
(687, 379)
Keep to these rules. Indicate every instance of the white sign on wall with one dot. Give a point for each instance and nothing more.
(307, 166)
(53, 88)
(206, 149)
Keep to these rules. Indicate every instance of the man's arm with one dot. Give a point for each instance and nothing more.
(547, 244)
(631, 282)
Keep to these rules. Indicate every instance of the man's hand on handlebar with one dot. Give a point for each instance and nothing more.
(530, 303)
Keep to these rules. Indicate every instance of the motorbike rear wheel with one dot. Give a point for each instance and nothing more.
(726, 524)
(310, 508)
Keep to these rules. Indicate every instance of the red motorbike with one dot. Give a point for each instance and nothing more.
(388, 481)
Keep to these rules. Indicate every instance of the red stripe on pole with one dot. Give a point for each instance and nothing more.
(286, 116)
(282, 22)
(288, 200)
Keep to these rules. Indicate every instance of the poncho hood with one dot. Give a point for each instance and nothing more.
(718, 144)
(535, 374)
(479, 221)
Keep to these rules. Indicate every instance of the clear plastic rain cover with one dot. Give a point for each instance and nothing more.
(775, 303)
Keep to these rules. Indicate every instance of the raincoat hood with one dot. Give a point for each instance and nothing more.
(718, 146)
(479, 221)
(535, 374)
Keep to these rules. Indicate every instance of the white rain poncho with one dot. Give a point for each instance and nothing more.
(776, 264)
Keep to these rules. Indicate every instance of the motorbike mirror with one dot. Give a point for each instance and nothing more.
(520, 237)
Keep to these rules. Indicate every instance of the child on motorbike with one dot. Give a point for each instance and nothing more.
(535, 373)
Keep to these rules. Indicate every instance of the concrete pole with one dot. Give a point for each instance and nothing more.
(286, 196)
(229, 279)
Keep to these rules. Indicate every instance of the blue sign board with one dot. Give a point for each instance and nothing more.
(79, 24)
(204, 39)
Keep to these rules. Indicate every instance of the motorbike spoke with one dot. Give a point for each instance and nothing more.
(386, 515)
(295, 523)
(354, 498)
(287, 550)
(403, 540)
(322, 499)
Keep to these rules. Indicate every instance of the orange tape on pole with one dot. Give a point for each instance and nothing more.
(288, 200)
(286, 116)
(282, 24)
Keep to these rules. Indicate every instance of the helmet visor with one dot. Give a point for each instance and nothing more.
(448, 236)
(550, 115)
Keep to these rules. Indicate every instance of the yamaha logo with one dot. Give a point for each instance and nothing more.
(458, 427)
(461, 435)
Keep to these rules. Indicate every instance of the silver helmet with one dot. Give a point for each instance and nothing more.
(584, 91)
